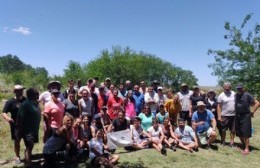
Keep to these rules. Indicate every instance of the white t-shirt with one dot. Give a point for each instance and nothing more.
(228, 103)
(155, 133)
(86, 106)
(136, 132)
(186, 135)
(97, 144)
(148, 97)
(185, 100)
(46, 97)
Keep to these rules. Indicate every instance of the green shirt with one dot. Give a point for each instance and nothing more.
(29, 117)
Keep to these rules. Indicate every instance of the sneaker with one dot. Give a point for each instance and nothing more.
(17, 161)
(164, 151)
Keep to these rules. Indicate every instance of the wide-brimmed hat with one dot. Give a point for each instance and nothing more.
(53, 82)
(201, 103)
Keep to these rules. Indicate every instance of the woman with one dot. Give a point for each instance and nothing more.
(58, 145)
(139, 136)
(162, 114)
(129, 104)
(194, 98)
(96, 154)
(53, 114)
(77, 134)
(156, 137)
(170, 139)
(146, 118)
(86, 132)
(86, 105)
(105, 120)
(173, 107)
(114, 104)
(71, 105)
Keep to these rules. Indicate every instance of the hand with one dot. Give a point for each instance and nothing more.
(201, 122)
(190, 114)
(252, 114)
(10, 120)
(219, 118)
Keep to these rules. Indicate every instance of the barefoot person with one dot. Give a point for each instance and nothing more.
(13, 106)
(243, 101)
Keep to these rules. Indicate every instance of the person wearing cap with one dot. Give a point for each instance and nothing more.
(139, 136)
(162, 114)
(226, 113)
(184, 97)
(186, 135)
(12, 106)
(46, 96)
(243, 101)
(155, 85)
(53, 114)
(204, 124)
(212, 104)
(162, 97)
(151, 99)
(28, 122)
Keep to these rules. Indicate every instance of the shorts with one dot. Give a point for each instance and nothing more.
(185, 115)
(106, 155)
(14, 131)
(228, 122)
(203, 137)
(243, 125)
(30, 139)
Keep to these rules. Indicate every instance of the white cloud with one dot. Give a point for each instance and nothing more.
(23, 30)
(5, 29)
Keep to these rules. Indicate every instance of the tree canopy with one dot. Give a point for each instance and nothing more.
(126, 64)
(240, 63)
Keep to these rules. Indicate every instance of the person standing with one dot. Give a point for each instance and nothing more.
(226, 113)
(151, 99)
(28, 121)
(243, 101)
(13, 106)
(184, 97)
(139, 100)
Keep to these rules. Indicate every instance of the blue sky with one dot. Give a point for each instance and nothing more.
(50, 33)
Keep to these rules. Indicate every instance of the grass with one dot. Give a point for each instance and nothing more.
(222, 157)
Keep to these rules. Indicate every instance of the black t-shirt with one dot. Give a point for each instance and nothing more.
(119, 126)
(194, 99)
(243, 102)
(13, 106)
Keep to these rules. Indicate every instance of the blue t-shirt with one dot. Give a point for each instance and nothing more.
(139, 101)
(206, 116)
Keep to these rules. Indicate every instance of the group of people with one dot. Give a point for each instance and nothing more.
(79, 119)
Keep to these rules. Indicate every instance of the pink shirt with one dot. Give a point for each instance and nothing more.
(55, 111)
(130, 109)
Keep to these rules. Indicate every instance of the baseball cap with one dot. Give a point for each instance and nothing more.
(55, 91)
(160, 88)
(239, 86)
(195, 87)
(183, 84)
(156, 82)
(18, 87)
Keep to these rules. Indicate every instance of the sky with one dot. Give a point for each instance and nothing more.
(50, 33)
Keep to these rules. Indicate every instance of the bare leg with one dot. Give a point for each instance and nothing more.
(212, 138)
(17, 148)
(232, 137)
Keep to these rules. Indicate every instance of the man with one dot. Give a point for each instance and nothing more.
(139, 100)
(28, 121)
(162, 97)
(120, 123)
(70, 88)
(151, 99)
(186, 136)
(155, 85)
(13, 106)
(184, 97)
(243, 101)
(226, 113)
(204, 124)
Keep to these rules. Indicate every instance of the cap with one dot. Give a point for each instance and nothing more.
(107, 79)
(18, 87)
(200, 103)
(183, 84)
(239, 86)
(156, 82)
(160, 88)
(55, 91)
(195, 87)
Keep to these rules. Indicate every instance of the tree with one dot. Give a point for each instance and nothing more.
(240, 63)
(11, 63)
(125, 64)
(73, 71)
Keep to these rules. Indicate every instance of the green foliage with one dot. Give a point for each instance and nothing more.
(125, 64)
(73, 71)
(240, 63)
